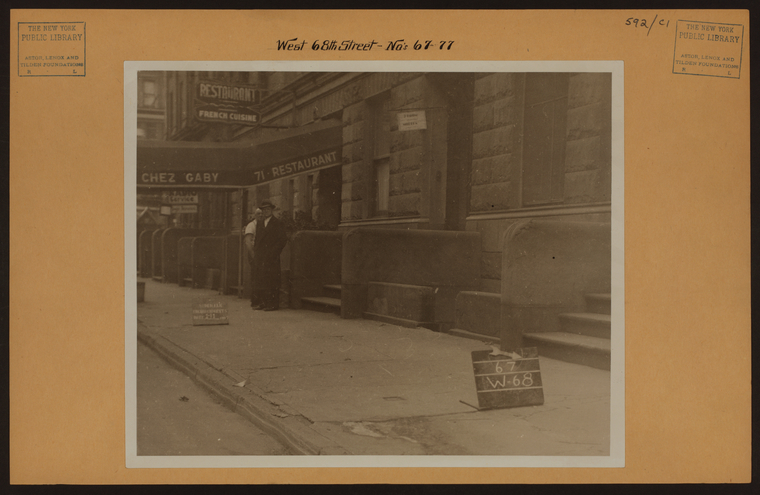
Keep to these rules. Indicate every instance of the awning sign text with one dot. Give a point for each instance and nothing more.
(241, 178)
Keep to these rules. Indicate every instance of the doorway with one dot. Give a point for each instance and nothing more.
(329, 184)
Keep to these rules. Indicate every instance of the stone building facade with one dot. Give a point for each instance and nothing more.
(496, 148)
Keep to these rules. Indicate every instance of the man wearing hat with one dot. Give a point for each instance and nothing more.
(270, 240)
(250, 238)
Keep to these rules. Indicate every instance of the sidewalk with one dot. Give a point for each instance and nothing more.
(325, 385)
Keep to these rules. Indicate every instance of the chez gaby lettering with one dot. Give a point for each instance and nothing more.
(173, 178)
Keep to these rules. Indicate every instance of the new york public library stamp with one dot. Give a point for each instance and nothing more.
(708, 49)
(51, 49)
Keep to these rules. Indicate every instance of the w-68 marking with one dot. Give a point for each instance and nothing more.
(502, 381)
(509, 381)
(526, 380)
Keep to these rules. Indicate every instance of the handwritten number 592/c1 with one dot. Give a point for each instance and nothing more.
(643, 23)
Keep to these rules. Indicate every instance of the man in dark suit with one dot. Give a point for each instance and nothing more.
(270, 240)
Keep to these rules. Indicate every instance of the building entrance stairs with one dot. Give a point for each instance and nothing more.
(328, 302)
(584, 338)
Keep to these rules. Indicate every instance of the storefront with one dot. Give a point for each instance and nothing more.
(209, 183)
(449, 155)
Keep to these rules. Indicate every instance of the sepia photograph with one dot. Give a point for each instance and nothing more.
(374, 264)
(379, 246)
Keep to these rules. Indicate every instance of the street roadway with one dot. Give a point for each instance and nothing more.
(175, 416)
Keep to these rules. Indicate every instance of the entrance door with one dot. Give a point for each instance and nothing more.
(328, 196)
(456, 93)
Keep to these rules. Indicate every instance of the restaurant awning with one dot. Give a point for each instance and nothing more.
(175, 164)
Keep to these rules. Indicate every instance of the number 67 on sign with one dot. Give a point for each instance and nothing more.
(508, 381)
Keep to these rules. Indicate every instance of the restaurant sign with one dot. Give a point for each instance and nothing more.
(227, 114)
(234, 94)
(227, 103)
(246, 177)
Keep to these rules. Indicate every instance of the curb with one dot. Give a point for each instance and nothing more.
(276, 420)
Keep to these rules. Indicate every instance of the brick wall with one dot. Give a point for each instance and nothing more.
(494, 142)
(587, 159)
(496, 156)
(406, 150)
(354, 192)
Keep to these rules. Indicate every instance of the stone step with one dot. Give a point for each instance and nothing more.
(402, 322)
(324, 304)
(460, 332)
(591, 324)
(571, 348)
(599, 303)
(332, 290)
(478, 312)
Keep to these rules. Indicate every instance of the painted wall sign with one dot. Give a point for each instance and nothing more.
(410, 121)
(179, 198)
(210, 313)
(507, 380)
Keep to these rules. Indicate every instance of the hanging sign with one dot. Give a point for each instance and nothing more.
(210, 313)
(179, 197)
(235, 94)
(504, 379)
(227, 103)
(410, 121)
(184, 209)
(227, 114)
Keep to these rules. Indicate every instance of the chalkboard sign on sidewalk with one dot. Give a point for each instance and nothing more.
(210, 313)
(507, 379)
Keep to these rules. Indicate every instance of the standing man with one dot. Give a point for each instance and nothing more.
(270, 240)
(250, 239)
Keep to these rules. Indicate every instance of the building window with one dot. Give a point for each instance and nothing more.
(291, 198)
(149, 94)
(182, 102)
(309, 193)
(149, 130)
(544, 127)
(381, 134)
(171, 115)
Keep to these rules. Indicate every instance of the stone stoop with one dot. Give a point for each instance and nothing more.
(584, 337)
(404, 305)
(478, 316)
(329, 302)
(599, 303)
